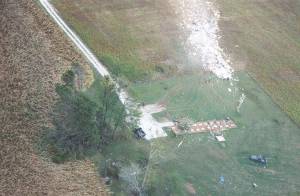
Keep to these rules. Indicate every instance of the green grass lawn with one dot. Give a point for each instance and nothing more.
(262, 128)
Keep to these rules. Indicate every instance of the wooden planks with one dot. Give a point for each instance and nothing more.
(207, 126)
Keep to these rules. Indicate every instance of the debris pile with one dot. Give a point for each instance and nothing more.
(199, 21)
(209, 126)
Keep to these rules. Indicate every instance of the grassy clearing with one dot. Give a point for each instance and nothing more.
(200, 161)
(186, 100)
(267, 33)
(262, 128)
(122, 39)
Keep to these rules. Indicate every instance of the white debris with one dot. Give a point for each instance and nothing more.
(180, 144)
(229, 90)
(151, 126)
(220, 138)
(241, 101)
(199, 19)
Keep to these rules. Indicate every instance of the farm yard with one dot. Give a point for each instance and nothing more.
(147, 55)
(261, 128)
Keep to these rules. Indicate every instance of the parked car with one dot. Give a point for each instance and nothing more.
(139, 133)
(259, 159)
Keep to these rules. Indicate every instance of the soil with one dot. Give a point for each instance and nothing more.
(34, 54)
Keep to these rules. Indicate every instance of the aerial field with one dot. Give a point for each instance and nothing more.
(141, 44)
(263, 38)
(121, 37)
(200, 160)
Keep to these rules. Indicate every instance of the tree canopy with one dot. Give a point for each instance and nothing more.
(81, 126)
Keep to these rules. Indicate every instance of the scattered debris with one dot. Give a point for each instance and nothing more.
(201, 127)
(199, 19)
(130, 175)
(259, 159)
(220, 138)
(241, 101)
(180, 144)
(254, 185)
(221, 180)
(151, 127)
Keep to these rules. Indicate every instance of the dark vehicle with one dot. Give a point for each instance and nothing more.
(139, 133)
(259, 159)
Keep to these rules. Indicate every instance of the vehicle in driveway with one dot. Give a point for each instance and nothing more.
(139, 133)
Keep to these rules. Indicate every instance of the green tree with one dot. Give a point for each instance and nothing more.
(108, 99)
(68, 78)
(81, 126)
(75, 131)
(112, 113)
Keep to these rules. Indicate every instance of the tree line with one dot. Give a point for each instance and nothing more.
(82, 126)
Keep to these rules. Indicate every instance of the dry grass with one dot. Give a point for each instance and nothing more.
(34, 54)
(139, 35)
(264, 36)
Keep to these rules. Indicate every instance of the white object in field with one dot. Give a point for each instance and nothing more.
(199, 19)
(241, 101)
(151, 126)
(220, 138)
(180, 144)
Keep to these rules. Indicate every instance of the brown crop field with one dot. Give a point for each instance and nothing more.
(33, 55)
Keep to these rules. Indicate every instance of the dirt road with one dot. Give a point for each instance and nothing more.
(152, 128)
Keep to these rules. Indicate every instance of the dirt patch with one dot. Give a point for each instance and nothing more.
(190, 188)
(34, 54)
